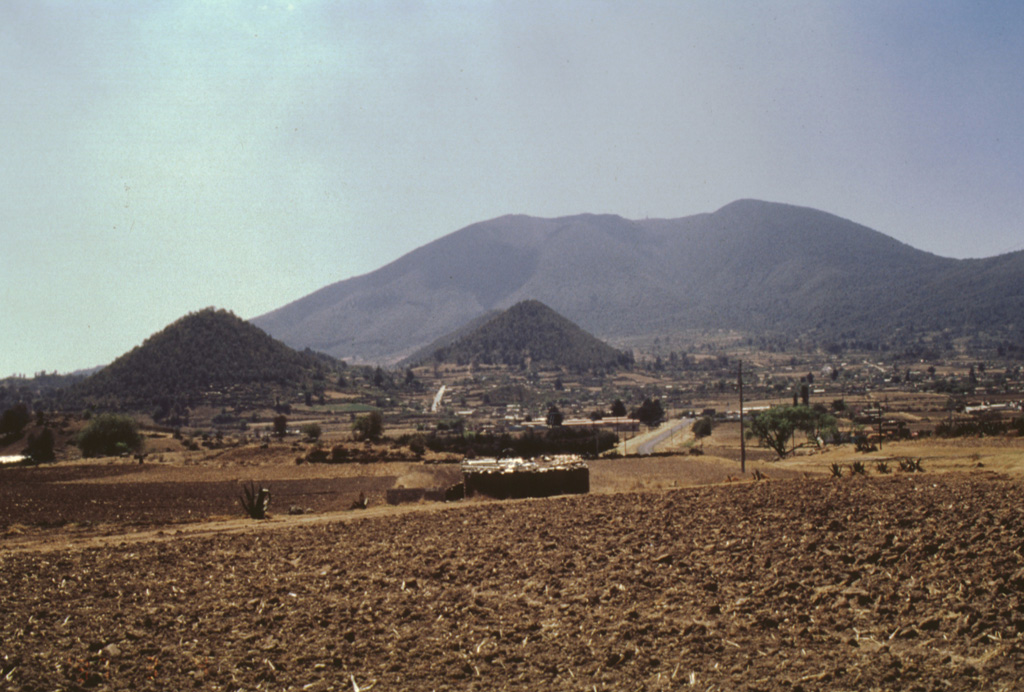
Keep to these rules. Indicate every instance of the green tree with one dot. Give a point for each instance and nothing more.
(555, 417)
(776, 426)
(702, 428)
(369, 427)
(418, 445)
(41, 448)
(618, 409)
(281, 426)
(650, 412)
(14, 420)
(109, 434)
(312, 431)
(819, 425)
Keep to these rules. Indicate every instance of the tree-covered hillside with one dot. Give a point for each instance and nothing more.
(532, 331)
(755, 268)
(211, 356)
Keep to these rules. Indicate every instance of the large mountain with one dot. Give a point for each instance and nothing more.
(210, 356)
(751, 266)
(528, 331)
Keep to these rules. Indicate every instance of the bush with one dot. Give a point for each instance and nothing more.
(418, 445)
(369, 427)
(110, 434)
(702, 427)
(555, 441)
(280, 426)
(311, 430)
(41, 448)
(14, 420)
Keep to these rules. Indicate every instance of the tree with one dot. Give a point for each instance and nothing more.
(702, 428)
(618, 409)
(109, 434)
(418, 445)
(369, 427)
(14, 420)
(776, 426)
(555, 417)
(650, 412)
(819, 425)
(281, 426)
(41, 448)
(311, 430)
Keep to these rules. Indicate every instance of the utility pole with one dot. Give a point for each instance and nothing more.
(743, 440)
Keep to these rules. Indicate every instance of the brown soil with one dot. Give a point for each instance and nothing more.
(906, 582)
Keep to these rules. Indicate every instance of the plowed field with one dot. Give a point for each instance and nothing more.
(903, 582)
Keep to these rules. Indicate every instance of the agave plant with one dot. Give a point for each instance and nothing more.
(255, 500)
(909, 465)
(837, 470)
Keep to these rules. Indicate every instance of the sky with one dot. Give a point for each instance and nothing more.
(161, 157)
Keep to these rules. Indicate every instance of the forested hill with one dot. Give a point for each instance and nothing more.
(751, 267)
(212, 357)
(531, 331)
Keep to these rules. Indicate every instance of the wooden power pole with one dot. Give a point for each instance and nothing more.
(743, 439)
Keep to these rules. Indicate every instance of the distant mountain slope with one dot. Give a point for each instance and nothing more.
(428, 352)
(204, 354)
(531, 331)
(750, 266)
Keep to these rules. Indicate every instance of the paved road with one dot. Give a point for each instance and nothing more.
(663, 435)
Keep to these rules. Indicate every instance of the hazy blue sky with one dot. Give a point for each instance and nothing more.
(160, 157)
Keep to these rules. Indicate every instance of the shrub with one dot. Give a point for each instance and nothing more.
(369, 427)
(702, 427)
(281, 426)
(109, 434)
(311, 430)
(418, 445)
(41, 448)
(14, 420)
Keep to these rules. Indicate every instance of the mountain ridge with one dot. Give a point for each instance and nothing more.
(751, 266)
